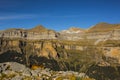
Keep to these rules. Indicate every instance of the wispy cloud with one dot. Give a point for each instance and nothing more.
(64, 16)
(61, 16)
(32, 16)
(21, 16)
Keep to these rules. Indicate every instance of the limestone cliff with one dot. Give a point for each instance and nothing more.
(99, 31)
(73, 34)
(39, 32)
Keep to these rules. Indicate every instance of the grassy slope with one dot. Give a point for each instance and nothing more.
(103, 27)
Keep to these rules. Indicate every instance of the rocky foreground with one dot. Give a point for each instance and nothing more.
(16, 71)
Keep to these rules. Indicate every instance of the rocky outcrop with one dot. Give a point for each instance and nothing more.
(16, 71)
(48, 50)
(9, 45)
(13, 33)
(113, 52)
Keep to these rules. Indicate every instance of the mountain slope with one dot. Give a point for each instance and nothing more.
(103, 27)
(39, 29)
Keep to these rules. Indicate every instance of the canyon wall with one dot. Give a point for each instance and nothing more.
(49, 34)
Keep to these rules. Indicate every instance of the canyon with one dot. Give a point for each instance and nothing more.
(91, 51)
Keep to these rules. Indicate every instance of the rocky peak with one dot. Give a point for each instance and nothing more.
(73, 30)
(38, 28)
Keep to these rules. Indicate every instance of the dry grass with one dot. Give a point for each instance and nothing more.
(103, 27)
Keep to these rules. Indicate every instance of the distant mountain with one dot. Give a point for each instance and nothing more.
(102, 27)
(13, 29)
(38, 28)
(73, 30)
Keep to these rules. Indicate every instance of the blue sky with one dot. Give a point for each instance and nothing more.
(57, 14)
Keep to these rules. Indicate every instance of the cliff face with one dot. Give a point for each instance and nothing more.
(73, 34)
(99, 31)
(36, 33)
(104, 31)
(58, 50)
(51, 44)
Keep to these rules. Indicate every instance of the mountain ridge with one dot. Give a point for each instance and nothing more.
(100, 30)
(102, 27)
(96, 28)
